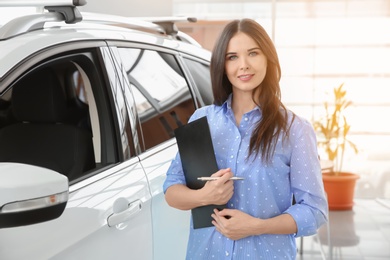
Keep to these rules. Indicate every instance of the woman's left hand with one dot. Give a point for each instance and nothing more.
(235, 224)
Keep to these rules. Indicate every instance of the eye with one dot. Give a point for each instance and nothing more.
(231, 57)
(253, 53)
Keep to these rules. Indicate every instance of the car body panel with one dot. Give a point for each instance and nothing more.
(168, 222)
(83, 228)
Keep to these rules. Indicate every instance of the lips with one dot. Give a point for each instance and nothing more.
(245, 77)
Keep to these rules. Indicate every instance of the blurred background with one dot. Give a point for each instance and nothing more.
(321, 45)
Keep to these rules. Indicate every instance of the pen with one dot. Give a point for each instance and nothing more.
(216, 178)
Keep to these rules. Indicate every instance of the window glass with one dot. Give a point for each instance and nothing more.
(51, 119)
(201, 75)
(161, 93)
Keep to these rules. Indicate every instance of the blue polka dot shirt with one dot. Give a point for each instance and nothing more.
(267, 190)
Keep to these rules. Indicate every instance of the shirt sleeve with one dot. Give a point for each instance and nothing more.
(310, 210)
(175, 174)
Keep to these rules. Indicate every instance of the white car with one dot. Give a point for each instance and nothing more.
(88, 105)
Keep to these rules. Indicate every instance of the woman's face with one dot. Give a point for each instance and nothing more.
(245, 63)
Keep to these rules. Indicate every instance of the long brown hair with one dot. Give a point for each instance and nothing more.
(274, 113)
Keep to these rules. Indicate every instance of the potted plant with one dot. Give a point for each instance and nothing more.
(332, 131)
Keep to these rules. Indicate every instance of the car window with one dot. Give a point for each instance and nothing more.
(200, 73)
(5, 110)
(161, 93)
(52, 116)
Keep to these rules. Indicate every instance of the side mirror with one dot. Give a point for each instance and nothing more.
(30, 194)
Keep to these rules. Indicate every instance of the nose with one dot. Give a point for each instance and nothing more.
(244, 65)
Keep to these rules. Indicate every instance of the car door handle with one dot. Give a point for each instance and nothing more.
(123, 211)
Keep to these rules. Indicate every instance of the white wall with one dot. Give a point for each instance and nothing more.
(130, 7)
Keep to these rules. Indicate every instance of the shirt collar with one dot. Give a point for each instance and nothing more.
(227, 105)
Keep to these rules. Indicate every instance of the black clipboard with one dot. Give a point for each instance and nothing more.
(198, 160)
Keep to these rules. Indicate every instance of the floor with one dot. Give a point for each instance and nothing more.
(362, 233)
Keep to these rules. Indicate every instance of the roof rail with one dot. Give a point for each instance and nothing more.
(121, 21)
(28, 23)
(168, 22)
(161, 25)
(69, 13)
(65, 7)
(59, 10)
(38, 3)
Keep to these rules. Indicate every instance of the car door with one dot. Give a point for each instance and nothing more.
(108, 214)
(127, 232)
(163, 99)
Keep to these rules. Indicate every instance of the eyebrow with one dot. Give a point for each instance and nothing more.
(249, 50)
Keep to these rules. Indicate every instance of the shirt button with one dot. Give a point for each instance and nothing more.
(231, 156)
(246, 119)
(226, 253)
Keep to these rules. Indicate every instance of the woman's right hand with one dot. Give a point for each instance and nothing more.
(216, 192)
(219, 191)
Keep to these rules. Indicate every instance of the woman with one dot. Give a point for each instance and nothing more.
(257, 138)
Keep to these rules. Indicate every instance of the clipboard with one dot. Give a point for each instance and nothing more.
(198, 159)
